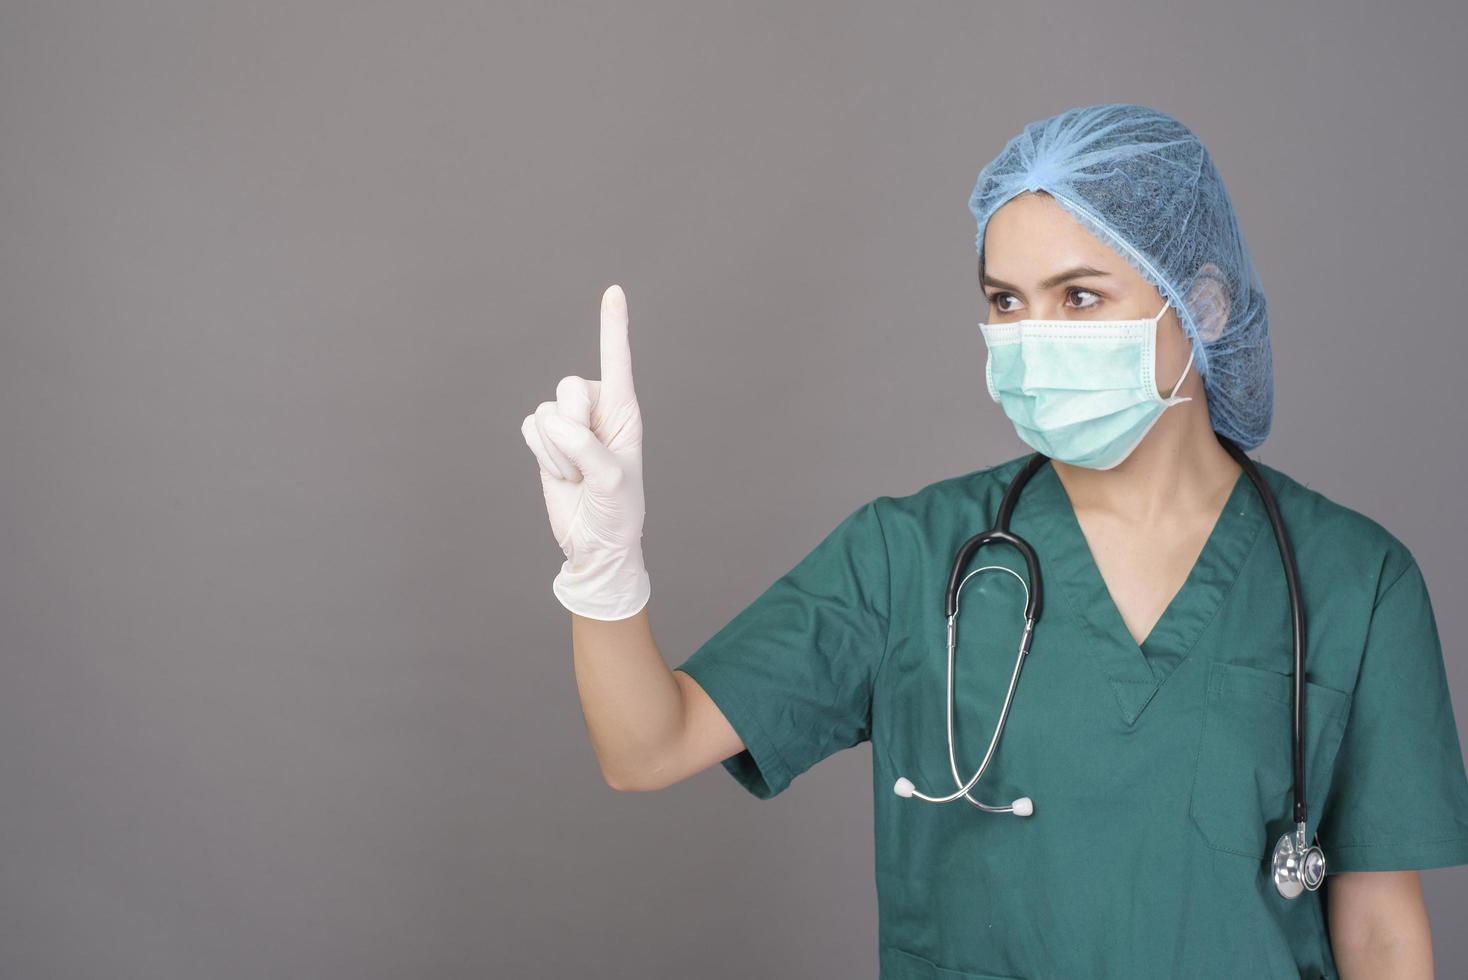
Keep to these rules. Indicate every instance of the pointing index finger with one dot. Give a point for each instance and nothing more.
(616, 354)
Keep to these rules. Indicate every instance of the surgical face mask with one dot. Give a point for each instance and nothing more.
(1080, 391)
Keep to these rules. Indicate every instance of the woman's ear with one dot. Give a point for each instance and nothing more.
(1208, 299)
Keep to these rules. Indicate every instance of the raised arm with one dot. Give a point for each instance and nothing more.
(650, 726)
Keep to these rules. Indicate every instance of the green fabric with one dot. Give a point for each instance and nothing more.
(1160, 773)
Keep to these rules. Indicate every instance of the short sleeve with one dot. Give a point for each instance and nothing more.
(1399, 797)
(793, 671)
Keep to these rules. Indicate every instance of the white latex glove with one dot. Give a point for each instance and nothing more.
(589, 446)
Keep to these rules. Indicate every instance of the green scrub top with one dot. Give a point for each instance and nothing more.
(1160, 773)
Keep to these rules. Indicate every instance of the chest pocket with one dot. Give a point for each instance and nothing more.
(899, 964)
(1243, 784)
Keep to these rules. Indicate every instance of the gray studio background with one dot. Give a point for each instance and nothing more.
(284, 691)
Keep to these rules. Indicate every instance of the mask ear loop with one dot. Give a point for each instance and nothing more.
(1180, 378)
(1191, 351)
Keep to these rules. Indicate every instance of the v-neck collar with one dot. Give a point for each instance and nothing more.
(1070, 570)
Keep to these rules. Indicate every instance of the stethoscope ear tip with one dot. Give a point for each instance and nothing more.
(1023, 807)
(904, 787)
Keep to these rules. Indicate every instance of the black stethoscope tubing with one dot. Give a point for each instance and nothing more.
(1000, 533)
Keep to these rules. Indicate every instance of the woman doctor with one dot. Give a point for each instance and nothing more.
(1149, 737)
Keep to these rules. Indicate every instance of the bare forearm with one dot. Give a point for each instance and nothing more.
(632, 703)
(1379, 926)
(1405, 958)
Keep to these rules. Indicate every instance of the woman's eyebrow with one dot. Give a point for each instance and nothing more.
(1078, 272)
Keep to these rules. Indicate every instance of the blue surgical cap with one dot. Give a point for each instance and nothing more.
(1141, 182)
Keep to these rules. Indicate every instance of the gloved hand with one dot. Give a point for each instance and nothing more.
(589, 446)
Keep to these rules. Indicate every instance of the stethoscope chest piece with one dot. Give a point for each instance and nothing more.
(1295, 867)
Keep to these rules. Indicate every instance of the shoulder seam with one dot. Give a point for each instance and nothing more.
(886, 640)
(1381, 595)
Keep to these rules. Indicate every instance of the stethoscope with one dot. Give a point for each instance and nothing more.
(1295, 866)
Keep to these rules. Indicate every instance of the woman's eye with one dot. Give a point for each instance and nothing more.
(1083, 299)
(1088, 293)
